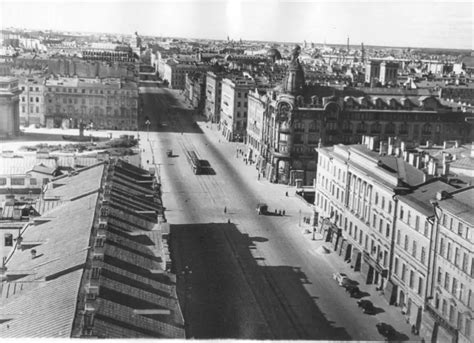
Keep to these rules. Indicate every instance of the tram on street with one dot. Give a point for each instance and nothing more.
(194, 161)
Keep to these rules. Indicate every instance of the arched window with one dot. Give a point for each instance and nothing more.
(390, 128)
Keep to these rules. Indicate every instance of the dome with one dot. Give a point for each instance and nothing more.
(274, 54)
(294, 79)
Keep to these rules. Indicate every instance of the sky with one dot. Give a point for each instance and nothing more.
(423, 23)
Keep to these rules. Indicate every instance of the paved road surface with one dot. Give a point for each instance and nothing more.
(241, 275)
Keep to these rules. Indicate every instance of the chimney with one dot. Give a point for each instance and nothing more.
(411, 158)
(417, 161)
(405, 155)
(429, 144)
(445, 145)
(403, 146)
(456, 144)
(397, 152)
(390, 149)
(432, 168)
(445, 168)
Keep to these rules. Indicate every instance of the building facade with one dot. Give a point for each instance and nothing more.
(106, 104)
(195, 90)
(175, 72)
(234, 107)
(213, 96)
(9, 106)
(32, 102)
(448, 314)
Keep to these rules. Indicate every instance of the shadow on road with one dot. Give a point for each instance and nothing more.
(226, 292)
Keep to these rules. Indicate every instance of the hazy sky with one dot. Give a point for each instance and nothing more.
(397, 23)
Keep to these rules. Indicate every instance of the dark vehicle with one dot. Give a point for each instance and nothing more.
(386, 330)
(194, 161)
(353, 290)
(169, 153)
(262, 208)
(367, 306)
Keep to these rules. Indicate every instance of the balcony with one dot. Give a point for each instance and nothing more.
(281, 153)
(441, 320)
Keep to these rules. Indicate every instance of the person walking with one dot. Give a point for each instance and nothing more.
(225, 209)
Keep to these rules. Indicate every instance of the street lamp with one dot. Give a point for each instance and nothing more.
(147, 123)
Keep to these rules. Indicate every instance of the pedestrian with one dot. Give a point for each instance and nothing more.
(279, 212)
(283, 212)
(147, 161)
(225, 209)
(286, 193)
(275, 211)
(228, 221)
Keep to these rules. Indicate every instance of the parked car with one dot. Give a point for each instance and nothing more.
(386, 330)
(353, 290)
(169, 153)
(367, 306)
(341, 279)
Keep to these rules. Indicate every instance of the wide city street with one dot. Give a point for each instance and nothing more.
(240, 274)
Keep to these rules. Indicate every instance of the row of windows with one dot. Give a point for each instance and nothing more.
(37, 99)
(91, 91)
(404, 272)
(21, 181)
(463, 321)
(413, 248)
(456, 255)
(32, 109)
(30, 89)
(450, 223)
(453, 286)
(413, 221)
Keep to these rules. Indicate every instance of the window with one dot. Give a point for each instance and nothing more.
(464, 262)
(401, 212)
(454, 287)
(413, 251)
(387, 230)
(37, 99)
(33, 181)
(18, 181)
(423, 255)
(403, 272)
(426, 228)
(460, 229)
(456, 256)
(3, 181)
(99, 241)
(440, 275)
(417, 223)
(412, 277)
(448, 252)
(398, 237)
(395, 268)
(420, 285)
(446, 281)
(406, 243)
(374, 220)
(380, 225)
(8, 240)
(441, 247)
(95, 273)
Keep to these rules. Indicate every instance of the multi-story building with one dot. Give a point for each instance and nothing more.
(257, 105)
(448, 314)
(96, 261)
(194, 90)
(391, 214)
(356, 189)
(107, 103)
(381, 71)
(175, 72)
(234, 107)
(301, 115)
(32, 101)
(9, 106)
(413, 249)
(213, 96)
